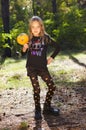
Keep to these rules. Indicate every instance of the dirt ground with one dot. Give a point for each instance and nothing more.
(17, 105)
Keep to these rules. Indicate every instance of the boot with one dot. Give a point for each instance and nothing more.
(38, 115)
(48, 110)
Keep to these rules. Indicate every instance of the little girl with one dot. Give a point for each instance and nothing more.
(37, 64)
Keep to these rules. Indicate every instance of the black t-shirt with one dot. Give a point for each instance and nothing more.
(37, 52)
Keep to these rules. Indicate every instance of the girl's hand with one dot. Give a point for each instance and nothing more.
(49, 60)
(25, 47)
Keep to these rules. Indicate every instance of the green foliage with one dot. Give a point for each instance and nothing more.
(18, 28)
(1, 30)
(5, 36)
(6, 129)
(49, 22)
(18, 11)
(15, 77)
(41, 7)
(72, 30)
(18, 24)
(23, 126)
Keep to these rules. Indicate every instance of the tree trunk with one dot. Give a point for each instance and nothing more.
(5, 18)
(55, 10)
(54, 6)
(33, 7)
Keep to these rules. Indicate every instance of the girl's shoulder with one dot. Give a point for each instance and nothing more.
(46, 38)
(46, 35)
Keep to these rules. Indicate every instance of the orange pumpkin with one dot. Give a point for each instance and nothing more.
(22, 38)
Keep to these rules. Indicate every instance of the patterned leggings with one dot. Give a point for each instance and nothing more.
(36, 88)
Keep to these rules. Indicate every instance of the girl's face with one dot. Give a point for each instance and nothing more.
(35, 28)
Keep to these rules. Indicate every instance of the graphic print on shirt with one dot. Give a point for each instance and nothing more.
(36, 48)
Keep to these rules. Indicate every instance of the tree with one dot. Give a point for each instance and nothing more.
(54, 6)
(5, 18)
(33, 7)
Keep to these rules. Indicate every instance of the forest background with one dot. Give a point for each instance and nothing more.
(65, 20)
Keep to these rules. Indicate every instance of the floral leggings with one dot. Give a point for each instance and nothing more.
(44, 74)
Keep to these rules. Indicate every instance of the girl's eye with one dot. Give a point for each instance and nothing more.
(33, 27)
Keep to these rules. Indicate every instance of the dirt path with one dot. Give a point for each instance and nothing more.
(16, 106)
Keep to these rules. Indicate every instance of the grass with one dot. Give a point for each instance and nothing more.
(13, 74)
(63, 70)
(23, 126)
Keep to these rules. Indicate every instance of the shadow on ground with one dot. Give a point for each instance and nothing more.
(16, 105)
(70, 100)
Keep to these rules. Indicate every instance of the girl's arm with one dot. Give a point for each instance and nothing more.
(53, 43)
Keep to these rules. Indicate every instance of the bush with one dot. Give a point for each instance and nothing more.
(71, 33)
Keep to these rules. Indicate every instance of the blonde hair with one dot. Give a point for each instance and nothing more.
(38, 19)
